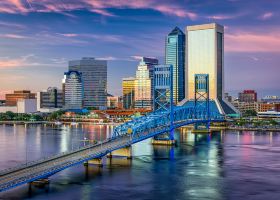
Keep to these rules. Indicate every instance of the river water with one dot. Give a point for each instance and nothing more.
(223, 165)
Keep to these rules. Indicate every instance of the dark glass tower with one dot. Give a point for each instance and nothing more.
(175, 55)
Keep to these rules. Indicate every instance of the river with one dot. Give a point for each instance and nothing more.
(222, 165)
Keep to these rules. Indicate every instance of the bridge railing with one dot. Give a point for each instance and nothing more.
(48, 158)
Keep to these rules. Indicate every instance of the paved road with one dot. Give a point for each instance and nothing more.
(47, 167)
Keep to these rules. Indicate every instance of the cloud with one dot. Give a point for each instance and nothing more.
(102, 37)
(11, 25)
(266, 16)
(12, 36)
(96, 6)
(29, 60)
(253, 42)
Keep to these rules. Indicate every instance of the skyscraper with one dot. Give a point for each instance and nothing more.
(94, 76)
(128, 91)
(175, 55)
(73, 85)
(205, 55)
(144, 83)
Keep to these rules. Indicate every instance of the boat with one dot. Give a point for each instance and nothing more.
(74, 123)
(58, 123)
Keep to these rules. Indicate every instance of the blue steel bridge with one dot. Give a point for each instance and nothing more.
(136, 130)
(164, 119)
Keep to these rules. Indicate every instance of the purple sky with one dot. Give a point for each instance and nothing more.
(37, 38)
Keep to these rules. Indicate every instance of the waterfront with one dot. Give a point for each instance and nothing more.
(200, 167)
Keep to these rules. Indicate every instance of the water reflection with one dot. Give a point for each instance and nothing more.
(200, 166)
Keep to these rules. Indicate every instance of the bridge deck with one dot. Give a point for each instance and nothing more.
(45, 168)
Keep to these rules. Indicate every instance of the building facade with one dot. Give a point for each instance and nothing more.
(74, 93)
(247, 96)
(94, 76)
(50, 99)
(11, 99)
(128, 92)
(242, 107)
(144, 83)
(175, 56)
(205, 55)
(112, 102)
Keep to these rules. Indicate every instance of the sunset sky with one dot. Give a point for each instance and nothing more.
(39, 37)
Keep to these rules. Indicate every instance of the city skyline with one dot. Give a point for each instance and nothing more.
(39, 40)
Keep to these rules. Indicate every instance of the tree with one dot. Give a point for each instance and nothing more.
(250, 113)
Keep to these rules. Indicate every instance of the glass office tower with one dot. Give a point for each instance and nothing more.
(73, 95)
(205, 55)
(128, 90)
(175, 55)
(94, 75)
(144, 83)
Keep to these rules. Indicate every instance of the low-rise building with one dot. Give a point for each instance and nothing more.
(112, 102)
(247, 96)
(244, 106)
(49, 100)
(26, 106)
(11, 99)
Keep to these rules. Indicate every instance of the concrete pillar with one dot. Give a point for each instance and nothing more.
(97, 161)
(124, 152)
(163, 142)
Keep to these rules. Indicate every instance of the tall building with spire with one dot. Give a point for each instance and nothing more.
(175, 55)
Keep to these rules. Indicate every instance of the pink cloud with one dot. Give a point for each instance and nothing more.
(12, 36)
(253, 42)
(96, 6)
(266, 16)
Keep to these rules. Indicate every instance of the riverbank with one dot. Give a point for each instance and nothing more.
(54, 123)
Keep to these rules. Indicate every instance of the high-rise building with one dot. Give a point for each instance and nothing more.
(73, 95)
(205, 55)
(11, 99)
(247, 96)
(94, 76)
(175, 55)
(128, 92)
(144, 83)
(50, 99)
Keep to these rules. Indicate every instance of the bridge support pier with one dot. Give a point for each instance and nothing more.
(167, 142)
(124, 152)
(97, 161)
(40, 183)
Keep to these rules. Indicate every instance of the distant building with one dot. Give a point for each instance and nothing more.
(264, 107)
(247, 96)
(128, 92)
(73, 85)
(242, 107)
(228, 97)
(23, 106)
(11, 99)
(49, 100)
(144, 83)
(112, 102)
(94, 76)
(27, 106)
(271, 99)
(175, 55)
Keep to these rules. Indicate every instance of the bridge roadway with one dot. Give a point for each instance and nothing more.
(27, 173)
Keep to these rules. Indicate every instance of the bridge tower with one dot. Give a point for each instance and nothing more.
(201, 99)
(163, 98)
